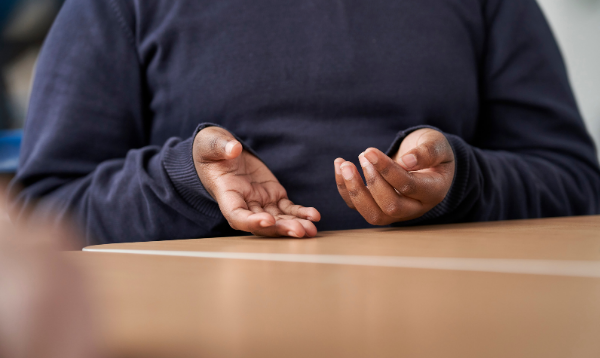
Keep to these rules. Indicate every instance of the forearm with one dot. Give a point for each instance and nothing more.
(502, 185)
(127, 199)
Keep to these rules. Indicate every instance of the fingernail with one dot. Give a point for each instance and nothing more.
(309, 218)
(265, 223)
(347, 172)
(409, 160)
(338, 171)
(292, 234)
(364, 162)
(229, 146)
(371, 157)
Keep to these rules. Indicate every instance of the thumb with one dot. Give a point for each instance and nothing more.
(431, 150)
(215, 144)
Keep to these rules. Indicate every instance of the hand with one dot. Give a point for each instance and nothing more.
(401, 188)
(248, 194)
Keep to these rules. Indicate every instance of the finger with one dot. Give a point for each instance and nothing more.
(291, 228)
(238, 214)
(361, 197)
(432, 149)
(299, 211)
(246, 220)
(387, 198)
(284, 227)
(422, 186)
(341, 183)
(287, 225)
(309, 228)
(214, 144)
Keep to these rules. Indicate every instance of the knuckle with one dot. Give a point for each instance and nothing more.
(431, 150)
(385, 170)
(393, 210)
(295, 210)
(213, 144)
(354, 193)
(374, 218)
(372, 181)
(408, 188)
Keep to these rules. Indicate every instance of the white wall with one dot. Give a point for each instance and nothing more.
(576, 24)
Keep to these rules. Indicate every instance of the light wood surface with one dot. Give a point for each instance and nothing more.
(164, 306)
(572, 238)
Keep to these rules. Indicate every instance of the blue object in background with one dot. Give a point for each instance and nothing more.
(10, 144)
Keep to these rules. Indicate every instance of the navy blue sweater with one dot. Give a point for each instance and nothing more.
(122, 86)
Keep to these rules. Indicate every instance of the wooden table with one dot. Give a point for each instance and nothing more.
(507, 289)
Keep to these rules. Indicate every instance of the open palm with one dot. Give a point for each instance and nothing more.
(249, 195)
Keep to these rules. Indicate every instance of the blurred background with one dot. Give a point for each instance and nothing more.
(23, 26)
(24, 23)
(576, 24)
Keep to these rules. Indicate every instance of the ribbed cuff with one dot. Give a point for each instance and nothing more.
(179, 164)
(458, 189)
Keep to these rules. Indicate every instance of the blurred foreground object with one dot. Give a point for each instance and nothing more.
(44, 311)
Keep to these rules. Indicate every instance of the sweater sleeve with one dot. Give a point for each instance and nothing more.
(85, 151)
(531, 155)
